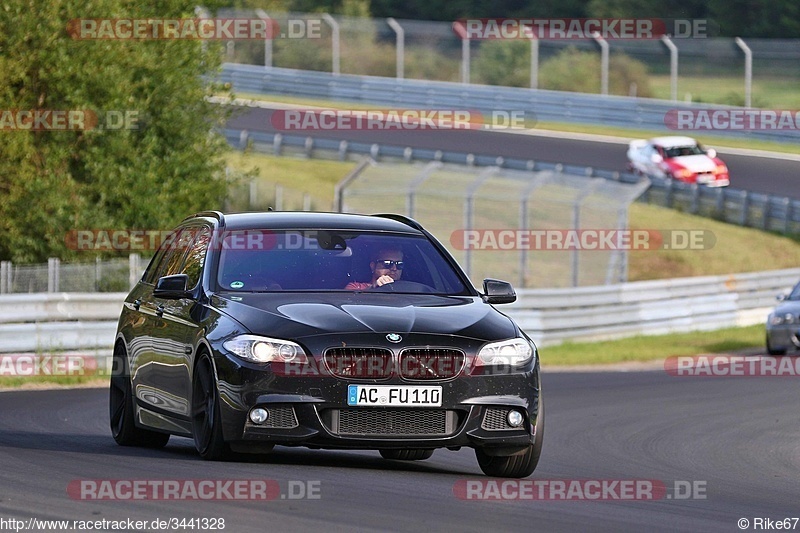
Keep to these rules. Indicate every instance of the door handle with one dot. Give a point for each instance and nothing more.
(160, 311)
(136, 303)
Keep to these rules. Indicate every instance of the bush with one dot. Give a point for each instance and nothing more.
(578, 71)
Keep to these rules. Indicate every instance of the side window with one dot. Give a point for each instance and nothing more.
(193, 265)
(172, 263)
(156, 265)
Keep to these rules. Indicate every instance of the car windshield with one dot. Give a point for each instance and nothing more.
(678, 151)
(326, 260)
(795, 295)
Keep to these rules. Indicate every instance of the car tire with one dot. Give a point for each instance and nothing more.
(773, 351)
(407, 455)
(122, 417)
(206, 417)
(521, 464)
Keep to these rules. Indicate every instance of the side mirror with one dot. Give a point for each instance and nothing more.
(711, 153)
(780, 297)
(498, 292)
(172, 287)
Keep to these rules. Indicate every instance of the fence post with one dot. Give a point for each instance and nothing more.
(787, 222)
(134, 269)
(748, 71)
(306, 202)
(401, 40)
(268, 40)
(5, 277)
(334, 42)
(98, 273)
(278, 198)
(53, 264)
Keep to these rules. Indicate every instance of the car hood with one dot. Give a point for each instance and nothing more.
(695, 163)
(298, 315)
(788, 306)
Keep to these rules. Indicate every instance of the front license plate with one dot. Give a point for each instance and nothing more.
(394, 396)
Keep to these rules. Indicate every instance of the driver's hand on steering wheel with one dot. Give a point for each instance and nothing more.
(383, 280)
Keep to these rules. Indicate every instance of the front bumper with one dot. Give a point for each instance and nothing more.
(312, 411)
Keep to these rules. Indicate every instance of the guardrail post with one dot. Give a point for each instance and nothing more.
(669, 199)
(52, 274)
(244, 135)
(767, 213)
(276, 143)
(306, 202)
(745, 208)
(534, 62)
(134, 269)
(5, 277)
(400, 46)
(787, 221)
(334, 41)
(343, 151)
(720, 204)
(694, 206)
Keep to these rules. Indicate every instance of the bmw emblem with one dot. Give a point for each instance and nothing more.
(393, 337)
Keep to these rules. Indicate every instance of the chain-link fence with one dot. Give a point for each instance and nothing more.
(112, 275)
(710, 70)
(500, 223)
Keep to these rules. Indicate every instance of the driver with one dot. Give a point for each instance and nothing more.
(386, 267)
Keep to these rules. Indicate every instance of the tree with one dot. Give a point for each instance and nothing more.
(146, 178)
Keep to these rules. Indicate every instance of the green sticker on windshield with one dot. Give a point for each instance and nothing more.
(237, 284)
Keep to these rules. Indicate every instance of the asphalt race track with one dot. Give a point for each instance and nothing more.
(757, 174)
(738, 439)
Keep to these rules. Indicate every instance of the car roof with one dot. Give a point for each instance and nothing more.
(313, 220)
(672, 141)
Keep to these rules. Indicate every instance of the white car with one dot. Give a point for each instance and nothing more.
(679, 158)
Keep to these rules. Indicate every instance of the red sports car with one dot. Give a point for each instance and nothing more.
(680, 158)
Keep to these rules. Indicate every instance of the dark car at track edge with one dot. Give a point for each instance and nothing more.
(252, 330)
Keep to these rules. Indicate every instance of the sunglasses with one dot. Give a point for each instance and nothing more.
(388, 263)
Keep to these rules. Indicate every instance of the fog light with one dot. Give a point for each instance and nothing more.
(259, 415)
(514, 419)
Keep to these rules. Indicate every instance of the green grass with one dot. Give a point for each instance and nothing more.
(7, 382)
(777, 93)
(652, 347)
(632, 133)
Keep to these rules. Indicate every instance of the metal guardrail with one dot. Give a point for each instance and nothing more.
(549, 316)
(539, 104)
(743, 208)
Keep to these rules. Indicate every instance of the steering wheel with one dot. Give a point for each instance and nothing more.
(404, 286)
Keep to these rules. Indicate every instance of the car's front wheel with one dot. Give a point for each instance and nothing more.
(407, 455)
(120, 407)
(774, 351)
(206, 416)
(519, 465)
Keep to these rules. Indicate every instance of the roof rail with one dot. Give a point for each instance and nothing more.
(401, 218)
(209, 214)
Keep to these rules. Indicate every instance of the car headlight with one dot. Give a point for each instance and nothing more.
(777, 320)
(510, 352)
(265, 350)
(721, 169)
(684, 173)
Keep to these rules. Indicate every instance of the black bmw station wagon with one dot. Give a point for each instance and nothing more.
(324, 330)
